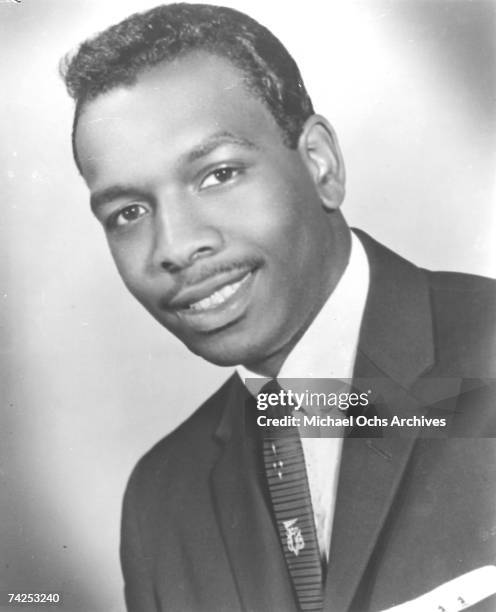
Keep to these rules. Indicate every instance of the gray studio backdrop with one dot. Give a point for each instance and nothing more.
(88, 381)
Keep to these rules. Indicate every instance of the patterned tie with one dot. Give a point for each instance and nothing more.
(292, 505)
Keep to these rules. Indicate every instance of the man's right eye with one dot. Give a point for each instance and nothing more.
(128, 215)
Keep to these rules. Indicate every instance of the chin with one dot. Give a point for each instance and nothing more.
(227, 352)
(223, 357)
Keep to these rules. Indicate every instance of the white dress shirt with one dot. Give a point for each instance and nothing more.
(328, 350)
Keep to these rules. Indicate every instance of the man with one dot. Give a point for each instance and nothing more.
(220, 190)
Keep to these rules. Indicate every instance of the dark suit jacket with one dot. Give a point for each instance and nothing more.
(411, 512)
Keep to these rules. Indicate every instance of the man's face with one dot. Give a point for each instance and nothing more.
(215, 225)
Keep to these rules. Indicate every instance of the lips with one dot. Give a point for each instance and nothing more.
(218, 297)
(215, 304)
(215, 289)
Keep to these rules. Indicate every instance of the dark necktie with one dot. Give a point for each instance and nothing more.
(292, 505)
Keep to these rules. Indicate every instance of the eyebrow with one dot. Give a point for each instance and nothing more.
(104, 196)
(209, 145)
(214, 142)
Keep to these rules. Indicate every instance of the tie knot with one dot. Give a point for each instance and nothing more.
(272, 386)
(277, 400)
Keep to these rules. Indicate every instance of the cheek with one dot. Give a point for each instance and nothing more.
(270, 216)
(288, 239)
(130, 263)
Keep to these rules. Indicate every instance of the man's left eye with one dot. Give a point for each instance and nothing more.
(219, 176)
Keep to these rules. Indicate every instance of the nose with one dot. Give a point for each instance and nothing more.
(181, 236)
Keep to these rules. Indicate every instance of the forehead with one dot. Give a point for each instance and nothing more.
(171, 108)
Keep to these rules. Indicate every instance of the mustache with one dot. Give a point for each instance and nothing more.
(206, 272)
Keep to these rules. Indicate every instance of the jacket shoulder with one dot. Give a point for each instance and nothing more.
(460, 282)
(464, 319)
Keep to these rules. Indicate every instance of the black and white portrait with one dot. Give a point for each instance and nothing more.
(200, 203)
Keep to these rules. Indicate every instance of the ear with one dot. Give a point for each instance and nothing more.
(319, 150)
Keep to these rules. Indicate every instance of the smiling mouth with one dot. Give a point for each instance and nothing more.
(217, 298)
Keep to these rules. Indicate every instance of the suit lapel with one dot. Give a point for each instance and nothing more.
(372, 469)
(245, 521)
(397, 331)
(395, 348)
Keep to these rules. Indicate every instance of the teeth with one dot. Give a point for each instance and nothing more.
(218, 297)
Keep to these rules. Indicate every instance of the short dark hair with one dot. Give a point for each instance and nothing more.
(119, 54)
